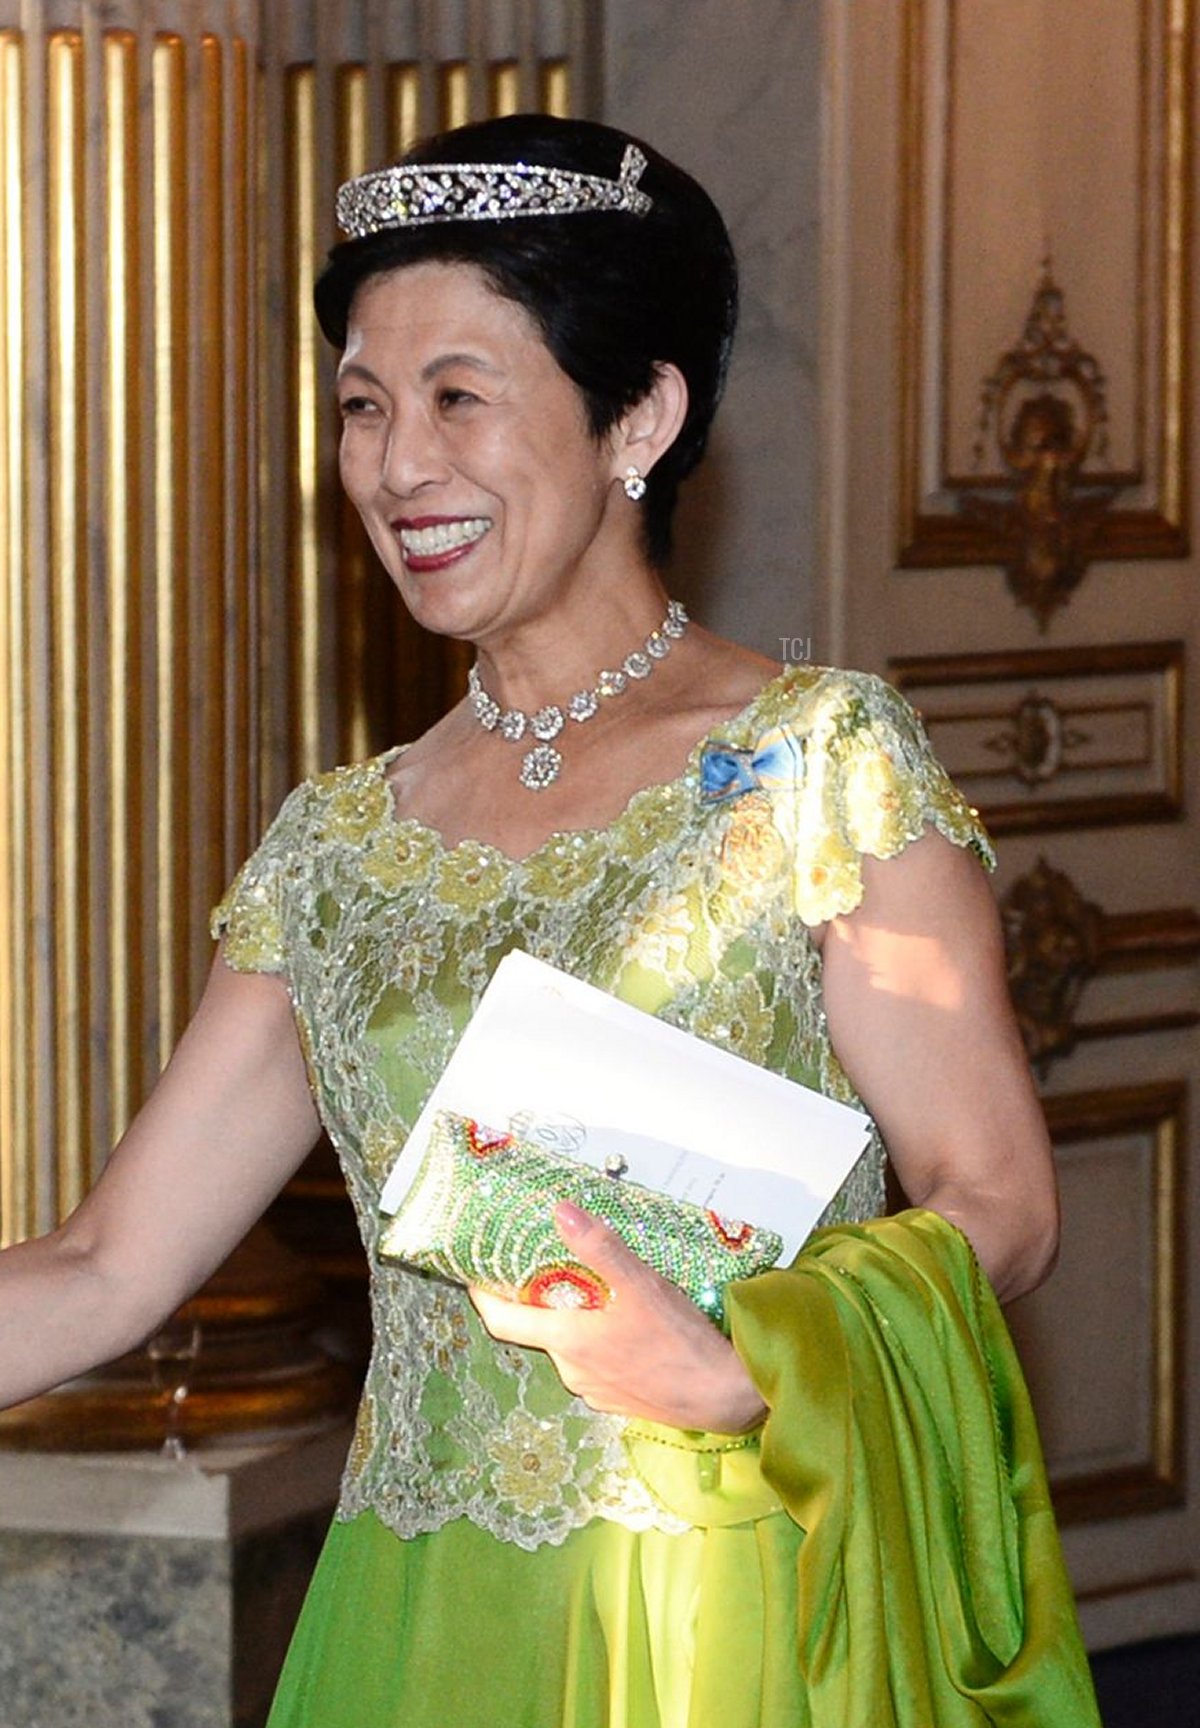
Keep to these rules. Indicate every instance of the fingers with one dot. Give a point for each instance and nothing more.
(557, 1333)
(591, 1241)
(546, 1327)
(649, 1353)
(502, 1317)
(523, 1322)
(595, 1349)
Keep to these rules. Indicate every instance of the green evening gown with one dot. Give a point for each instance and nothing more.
(503, 1557)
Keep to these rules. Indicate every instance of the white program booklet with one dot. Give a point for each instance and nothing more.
(573, 1068)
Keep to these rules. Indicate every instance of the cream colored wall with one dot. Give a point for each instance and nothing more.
(957, 144)
(731, 92)
(966, 141)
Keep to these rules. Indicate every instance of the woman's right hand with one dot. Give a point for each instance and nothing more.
(649, 1353)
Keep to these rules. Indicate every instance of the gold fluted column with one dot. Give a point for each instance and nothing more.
(18, 1165)
(129, 642)
(127, 577)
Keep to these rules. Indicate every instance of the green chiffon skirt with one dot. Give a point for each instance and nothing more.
(928, 1592)
(614, 1629)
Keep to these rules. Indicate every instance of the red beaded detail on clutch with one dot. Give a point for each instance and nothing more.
(566, 1287)
(485, 1141)
(731, 1231)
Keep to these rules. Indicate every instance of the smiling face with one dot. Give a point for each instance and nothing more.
(467, 452)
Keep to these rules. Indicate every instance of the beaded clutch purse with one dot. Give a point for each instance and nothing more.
(479, 1211)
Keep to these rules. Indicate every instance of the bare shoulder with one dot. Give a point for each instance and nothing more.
(713, 679)
(725, 672)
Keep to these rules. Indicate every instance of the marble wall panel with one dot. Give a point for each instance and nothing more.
(731, 91)
(148, 1631)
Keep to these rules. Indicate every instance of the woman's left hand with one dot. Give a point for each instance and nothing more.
(649, 1353)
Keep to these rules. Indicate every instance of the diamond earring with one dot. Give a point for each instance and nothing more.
(634, 484)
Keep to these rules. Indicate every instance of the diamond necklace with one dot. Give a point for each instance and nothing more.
(541, 766)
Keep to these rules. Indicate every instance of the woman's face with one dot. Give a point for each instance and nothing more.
(466, 450)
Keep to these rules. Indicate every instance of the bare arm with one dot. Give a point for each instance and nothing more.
(919, 1016)
(229, 1121)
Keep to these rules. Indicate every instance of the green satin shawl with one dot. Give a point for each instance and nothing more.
(932, 1589)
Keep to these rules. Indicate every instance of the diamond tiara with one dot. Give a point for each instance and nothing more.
(410, 194)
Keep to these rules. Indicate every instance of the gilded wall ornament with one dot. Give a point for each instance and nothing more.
(1057, 942)
(1035, 740)
(1054, 939)
(1044, 411)
(1046, 738)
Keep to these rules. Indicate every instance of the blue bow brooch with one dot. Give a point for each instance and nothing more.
(775, 764)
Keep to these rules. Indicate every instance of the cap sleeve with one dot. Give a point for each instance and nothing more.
(869, 784)
(250, 914)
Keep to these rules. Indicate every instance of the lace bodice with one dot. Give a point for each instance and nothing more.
(695, 908)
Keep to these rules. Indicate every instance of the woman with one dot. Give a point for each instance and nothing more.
(548, 1516)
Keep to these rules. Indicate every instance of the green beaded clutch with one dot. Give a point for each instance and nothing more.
(480, 1208)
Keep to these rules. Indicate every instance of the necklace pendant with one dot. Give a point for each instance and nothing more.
(540, 768)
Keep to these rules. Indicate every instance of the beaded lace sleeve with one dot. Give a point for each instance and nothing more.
(250, 915)
(870, 784)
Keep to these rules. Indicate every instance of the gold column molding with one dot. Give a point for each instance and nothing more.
(17, 1163)
(126, 569)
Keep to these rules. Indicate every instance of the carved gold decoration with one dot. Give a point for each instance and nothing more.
(1143, 1128)
(1053, 939)
(1045, 410)
(1057, 942)
(1037, 741)
(1058, 738)
(1148, 280)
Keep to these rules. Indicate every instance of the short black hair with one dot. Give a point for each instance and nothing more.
(613, 293)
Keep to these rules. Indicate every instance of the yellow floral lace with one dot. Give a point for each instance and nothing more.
(696, 910)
